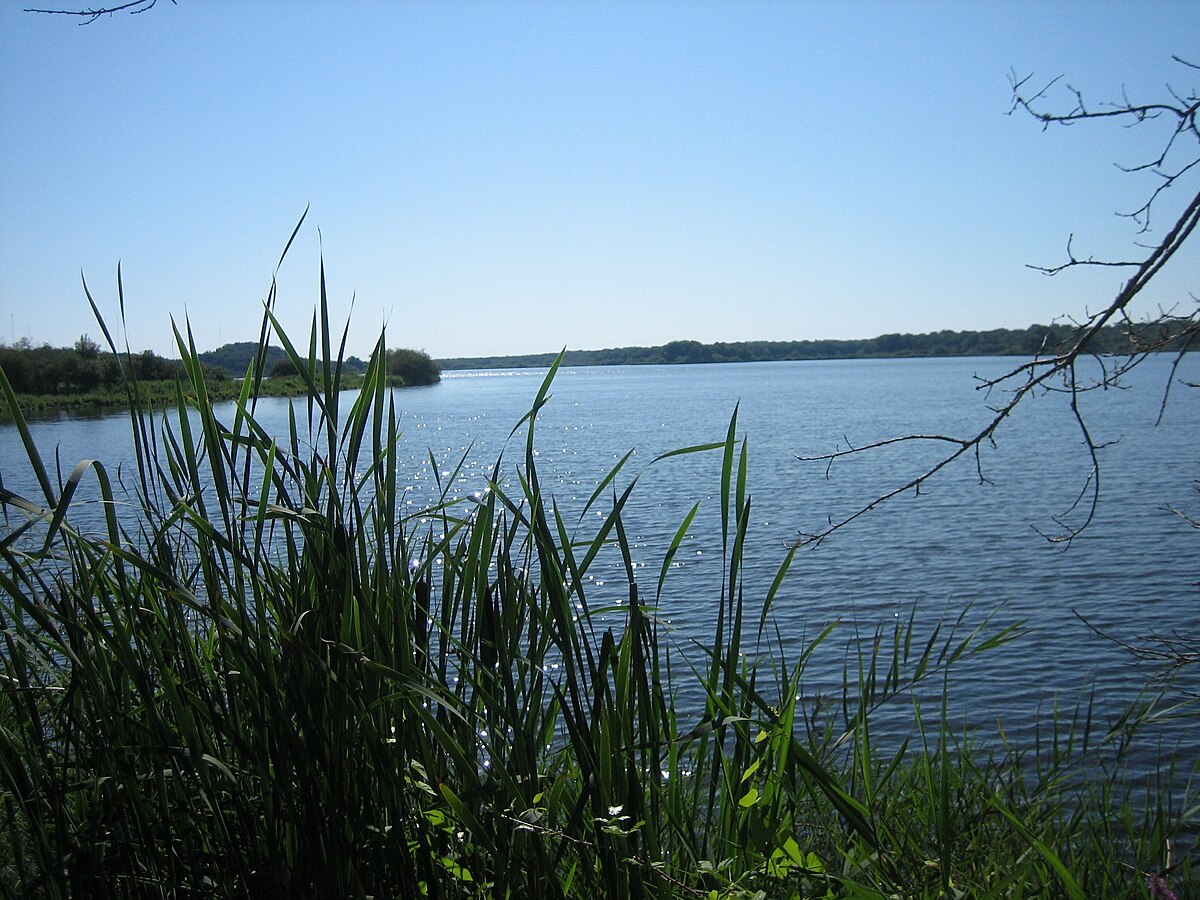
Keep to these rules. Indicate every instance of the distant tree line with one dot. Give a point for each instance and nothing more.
(84, 368)
(236, 358)
(87, 369)
(1031, 341)
(404, 367)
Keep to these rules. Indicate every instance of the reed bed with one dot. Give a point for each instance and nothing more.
(277, 680)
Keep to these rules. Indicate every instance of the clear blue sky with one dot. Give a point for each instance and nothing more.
(511, 177)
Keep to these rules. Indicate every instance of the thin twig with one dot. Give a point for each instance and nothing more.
(133, 6)
(1046, 372)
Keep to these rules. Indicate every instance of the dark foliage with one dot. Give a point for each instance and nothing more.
(412, 367)
(282, 368)
(235, 359)
(1032, 341)
(60, 371)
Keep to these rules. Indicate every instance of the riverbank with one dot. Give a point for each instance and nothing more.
(156, 395)
(160, 394)
(84, 380)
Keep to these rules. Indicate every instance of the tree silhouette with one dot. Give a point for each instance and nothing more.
(1053, 366)
(1176, 164)
(92, 14)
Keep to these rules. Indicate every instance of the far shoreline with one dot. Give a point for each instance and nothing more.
(1036, 340)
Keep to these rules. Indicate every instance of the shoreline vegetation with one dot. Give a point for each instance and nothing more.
(269, 677)
(1032, 341)
(84, 380)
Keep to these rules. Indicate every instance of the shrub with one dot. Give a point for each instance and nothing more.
(412, 367)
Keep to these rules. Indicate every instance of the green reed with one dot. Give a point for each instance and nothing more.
(281, 681)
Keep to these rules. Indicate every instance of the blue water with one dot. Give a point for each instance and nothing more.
(960, 543)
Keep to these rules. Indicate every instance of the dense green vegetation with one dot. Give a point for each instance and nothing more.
(407, 367)
(412, 367)
(236, 359)
(403, 368)
(84, 378)
(1032, 341)
(275, 679)
(84, 368)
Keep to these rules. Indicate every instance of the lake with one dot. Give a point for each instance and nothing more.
(960, 543)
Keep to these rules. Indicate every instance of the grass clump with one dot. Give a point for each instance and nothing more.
(250, 689)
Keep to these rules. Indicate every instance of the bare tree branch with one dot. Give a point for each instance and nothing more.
(1055, 370)
(1169, 653)
(91, 15)
(1184, 111)
(1073, 260)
